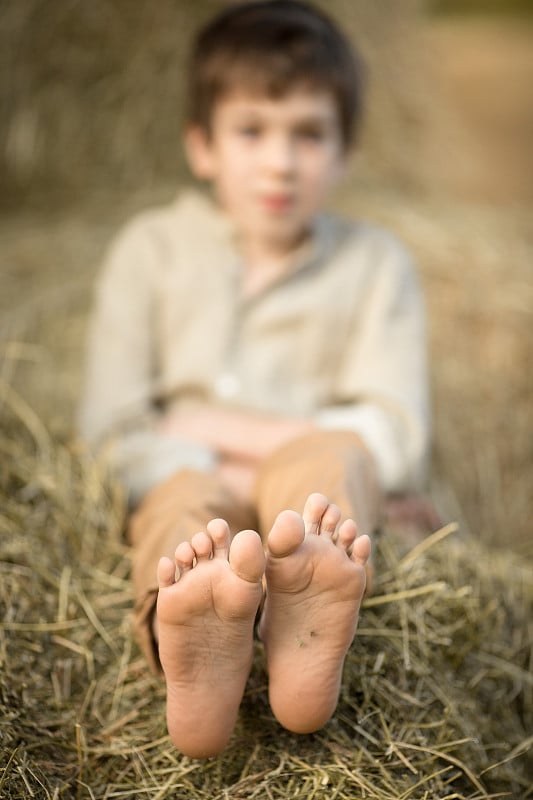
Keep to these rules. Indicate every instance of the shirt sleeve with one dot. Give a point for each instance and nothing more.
(117, 414)
(382, 383)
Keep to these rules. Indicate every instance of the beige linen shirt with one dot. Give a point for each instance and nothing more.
(339, 338)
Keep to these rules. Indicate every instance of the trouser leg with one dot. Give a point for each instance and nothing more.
(170, 514)
(335, 463)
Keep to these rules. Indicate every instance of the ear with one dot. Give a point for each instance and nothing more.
(199, 150)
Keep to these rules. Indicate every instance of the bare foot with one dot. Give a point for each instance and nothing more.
(205, 628)
(315, 579)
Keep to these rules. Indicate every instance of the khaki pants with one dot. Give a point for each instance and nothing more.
(334, 463)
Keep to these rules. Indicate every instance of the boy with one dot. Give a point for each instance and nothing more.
(251, 358)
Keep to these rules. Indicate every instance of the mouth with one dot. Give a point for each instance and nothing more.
(277, 203)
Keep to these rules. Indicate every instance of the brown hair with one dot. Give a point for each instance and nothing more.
(271, 47)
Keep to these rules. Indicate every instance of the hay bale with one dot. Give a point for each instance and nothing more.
(437, 699)
(474, 263)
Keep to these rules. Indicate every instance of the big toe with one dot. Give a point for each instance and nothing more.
(247, 557)
(287, 534)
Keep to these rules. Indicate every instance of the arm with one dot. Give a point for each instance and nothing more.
(233, 433)
(116, 411)
(117, 404)
(381, 391)
(117, 374)
(241, 439)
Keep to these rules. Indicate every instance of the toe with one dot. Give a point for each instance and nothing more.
(330, 520)
(218, 530)
(202, 546)
(247, 557)
(166, 572)
(361, 549)
(287, 534)
(184, 557)
(315, 506)
(347, 534)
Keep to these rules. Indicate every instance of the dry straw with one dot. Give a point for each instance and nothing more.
(437, 699)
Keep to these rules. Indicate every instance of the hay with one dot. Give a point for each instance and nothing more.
(437, 699)
(474, 263)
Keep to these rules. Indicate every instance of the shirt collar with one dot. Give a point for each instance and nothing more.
(314, 250)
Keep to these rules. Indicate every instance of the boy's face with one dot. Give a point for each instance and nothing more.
(272, 163)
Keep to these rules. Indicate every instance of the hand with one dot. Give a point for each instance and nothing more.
(198, 424)
(238, 477)
(234, 433)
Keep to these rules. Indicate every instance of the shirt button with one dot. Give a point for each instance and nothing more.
(227, 386)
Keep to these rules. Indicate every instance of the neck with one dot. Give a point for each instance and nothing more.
(271, 254)
(266, 262)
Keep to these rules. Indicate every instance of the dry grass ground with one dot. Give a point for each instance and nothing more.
(438, 695)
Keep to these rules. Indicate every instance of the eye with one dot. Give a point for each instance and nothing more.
(311, 133)
(250, 131)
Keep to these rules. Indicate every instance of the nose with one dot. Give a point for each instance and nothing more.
(280, 154)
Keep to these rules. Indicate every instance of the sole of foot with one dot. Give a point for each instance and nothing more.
(207, 603)
(315, 579)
